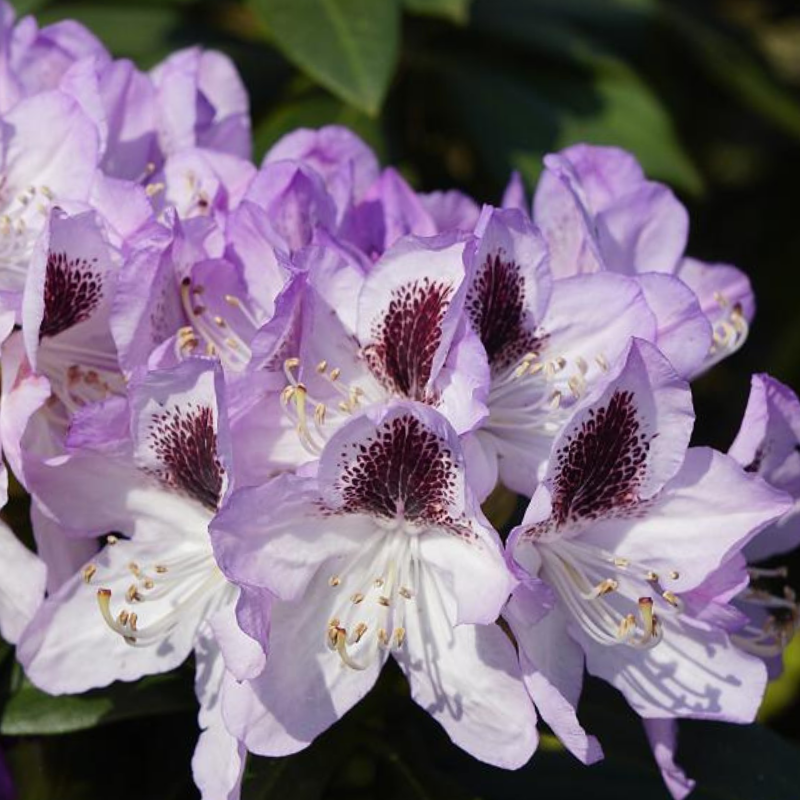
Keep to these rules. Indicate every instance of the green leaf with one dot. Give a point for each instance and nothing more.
(515, 113)
(454, 10)
(30, 712)
(348, 46)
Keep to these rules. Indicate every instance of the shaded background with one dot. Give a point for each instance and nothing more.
(457, 93)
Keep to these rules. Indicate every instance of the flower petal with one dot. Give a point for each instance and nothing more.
(709, 511)
(552, 669)
(467, 677)
(305, 688)
(68, 648)
(663, 737)
(691, 673)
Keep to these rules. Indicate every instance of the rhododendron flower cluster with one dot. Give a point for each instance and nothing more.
(258, 408)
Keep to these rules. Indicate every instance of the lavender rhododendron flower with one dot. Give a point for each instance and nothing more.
(150, 599)
(257, 409)
(383, 552)
(616, 544)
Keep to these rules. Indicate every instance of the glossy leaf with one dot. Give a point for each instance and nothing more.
(348, 46)
(29, 711)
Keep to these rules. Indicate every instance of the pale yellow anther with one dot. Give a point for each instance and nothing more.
(674, 574)
(332, 636)
(291, 363)
(671, 598)
(521, 370)
(335, 373)
(89, 571)
(219, 321)
(606, 587)
(287, 394)
(385, 601)
(404, 591)
(322, 367)
(334, 580)
(111, 539)
(399, 637)
(555, 400)
(357, 598)
(626, 625)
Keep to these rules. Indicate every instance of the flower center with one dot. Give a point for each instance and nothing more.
(374, 590)
(311, 414)
(529, 394)
(611, 597)
(213, 331)
(19, 218)
(165, 594)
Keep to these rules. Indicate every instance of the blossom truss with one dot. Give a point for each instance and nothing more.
(626, 557)
(152, 468)
(356, 339)
(382, 552)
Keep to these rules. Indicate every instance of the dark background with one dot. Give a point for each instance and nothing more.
(457, 93)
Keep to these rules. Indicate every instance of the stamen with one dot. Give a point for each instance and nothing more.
(573, 569)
